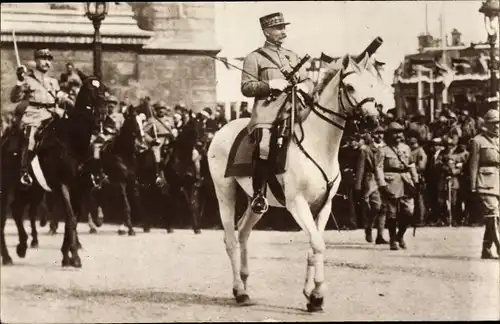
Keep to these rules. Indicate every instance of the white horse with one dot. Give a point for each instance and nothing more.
(312, 177)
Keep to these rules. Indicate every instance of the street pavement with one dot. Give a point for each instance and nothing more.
(186, 277)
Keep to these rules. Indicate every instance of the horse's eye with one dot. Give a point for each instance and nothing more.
(349, 88)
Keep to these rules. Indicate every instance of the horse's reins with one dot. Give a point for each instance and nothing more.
(316, 108)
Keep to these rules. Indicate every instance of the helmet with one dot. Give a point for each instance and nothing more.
(492, 117)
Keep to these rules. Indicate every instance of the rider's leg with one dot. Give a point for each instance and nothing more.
(28, 146)
(259, 181)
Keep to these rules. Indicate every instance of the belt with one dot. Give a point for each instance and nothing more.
(42, 105)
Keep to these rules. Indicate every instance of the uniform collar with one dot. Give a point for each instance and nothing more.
(272, 46)
(38, 74)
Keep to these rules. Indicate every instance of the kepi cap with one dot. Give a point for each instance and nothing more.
(43, 53)
(272, 20)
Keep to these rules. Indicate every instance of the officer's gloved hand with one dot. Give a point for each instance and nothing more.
(21, 72)
(278, 84)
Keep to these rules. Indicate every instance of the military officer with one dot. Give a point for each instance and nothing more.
(397, 179)
(367, 186)
(43, 93)
(114, 112)
(451, 164)
(420, 157)
(266, 70)
(485, 179)
(158, 130)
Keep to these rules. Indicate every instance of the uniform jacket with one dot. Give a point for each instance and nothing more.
(484, 165)
(163, 129)
(451, 164)
(43, 91)
(400, 181)
(255, 65)
(366, 169)
(420, 157)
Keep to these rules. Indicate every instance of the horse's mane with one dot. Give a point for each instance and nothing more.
(327, 77)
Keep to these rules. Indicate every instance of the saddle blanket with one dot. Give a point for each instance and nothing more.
(240, 162)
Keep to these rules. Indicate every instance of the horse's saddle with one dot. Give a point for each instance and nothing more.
(242, 153)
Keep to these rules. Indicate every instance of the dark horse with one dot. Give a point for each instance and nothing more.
(183, 172)
(62, 148)
(116, 166)
(154, 188)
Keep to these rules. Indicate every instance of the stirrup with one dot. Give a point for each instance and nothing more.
(259, 204)
(26, 179)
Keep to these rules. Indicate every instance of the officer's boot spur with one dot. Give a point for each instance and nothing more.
(259, 202)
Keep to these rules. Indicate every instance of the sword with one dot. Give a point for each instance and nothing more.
(15, 48)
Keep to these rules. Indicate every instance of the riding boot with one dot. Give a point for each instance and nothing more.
(380, 229)
(488, 238)
(391, 225)
(26, 157)
(402, 226)
(259, 184)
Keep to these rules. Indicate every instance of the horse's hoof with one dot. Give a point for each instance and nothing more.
(21, 250)
(79, 246)
(147, 229)
(66, 262)
(315, 304)
(52, 231)
(131, 232)
(170, 230)
(197, 231)
(121, 232)
(75, 262)
(7, 261)
(93, 231)
(98, 222)
(34, 244)
(243, 300)
(43, 222)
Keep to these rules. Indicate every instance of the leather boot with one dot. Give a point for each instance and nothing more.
(380, 229)
(259, 183)
(368, 235)
(402, 226)
(391, 225)
(26, 157)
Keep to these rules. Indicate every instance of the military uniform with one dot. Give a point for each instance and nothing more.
(420, 157)
(158, 132)
(485, 181)
(263, 70)
(366, 184)
(451, 164)
(397, 180)
(42, 93)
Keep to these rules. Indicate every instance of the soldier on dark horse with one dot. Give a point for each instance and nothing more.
(184, 168)
(55, 145)
(114, 161)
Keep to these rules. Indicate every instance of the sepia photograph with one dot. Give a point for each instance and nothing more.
(250, 161)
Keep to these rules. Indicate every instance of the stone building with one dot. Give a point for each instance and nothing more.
(455, 76)
(161, 50)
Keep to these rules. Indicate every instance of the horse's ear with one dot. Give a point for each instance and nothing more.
(348, 64)
(365, 61)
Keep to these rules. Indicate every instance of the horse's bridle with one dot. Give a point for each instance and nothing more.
(318, 109)
(356, 107)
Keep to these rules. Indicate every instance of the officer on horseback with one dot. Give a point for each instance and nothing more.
(266, 70)
(43, 93)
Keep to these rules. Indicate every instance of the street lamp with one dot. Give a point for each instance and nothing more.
(96, 12)
(491, 11)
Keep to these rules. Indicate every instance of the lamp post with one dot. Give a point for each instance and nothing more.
(491, 11)
(96, 12)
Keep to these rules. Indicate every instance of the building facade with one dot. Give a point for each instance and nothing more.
(455, 76)
(160, 50)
